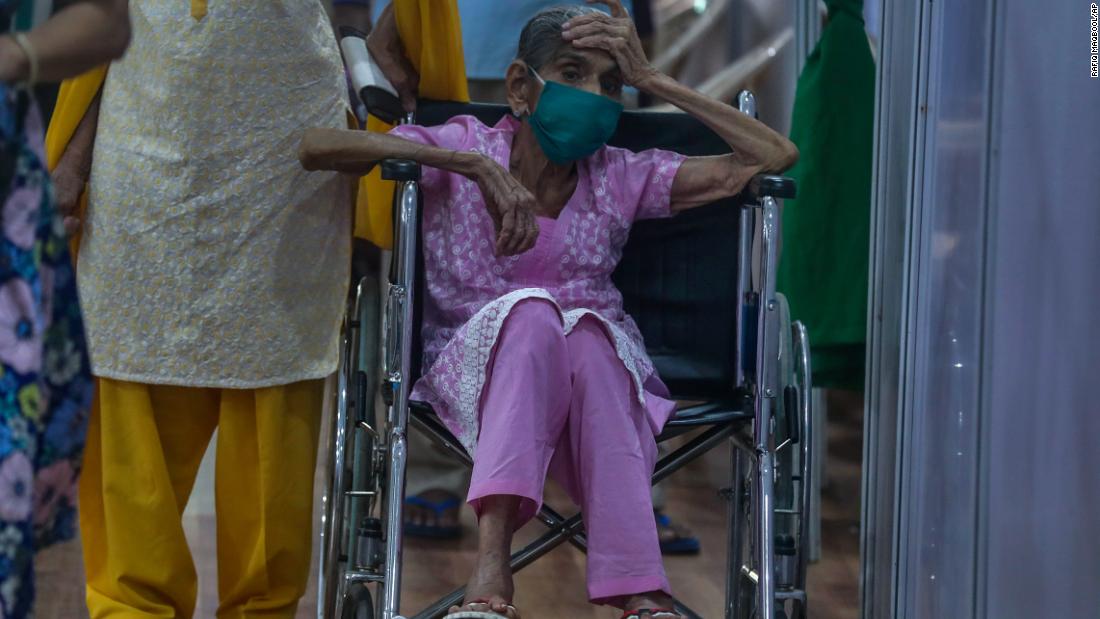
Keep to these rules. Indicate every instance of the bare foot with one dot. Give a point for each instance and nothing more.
(651, 600)
(490, 589)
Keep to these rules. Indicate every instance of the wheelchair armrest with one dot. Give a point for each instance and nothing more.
(400, 170)
(770, 185)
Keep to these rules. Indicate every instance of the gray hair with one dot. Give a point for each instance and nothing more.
(541, 37)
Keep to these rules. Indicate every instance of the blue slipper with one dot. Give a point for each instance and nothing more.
(678, 545)
(433, 531)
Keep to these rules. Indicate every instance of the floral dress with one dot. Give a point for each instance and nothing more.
(45, 379)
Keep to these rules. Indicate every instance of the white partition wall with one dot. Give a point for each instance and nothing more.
(1040, 489)
(896, 145)
(982, 494)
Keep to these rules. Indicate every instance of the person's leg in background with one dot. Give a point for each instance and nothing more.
(676, 539)
(145, 443)
(266, 457)
(436, 483)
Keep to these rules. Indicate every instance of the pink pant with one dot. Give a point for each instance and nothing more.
(566, 405)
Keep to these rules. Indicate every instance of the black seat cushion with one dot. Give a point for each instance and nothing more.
(678, 277)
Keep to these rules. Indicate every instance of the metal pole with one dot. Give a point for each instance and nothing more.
(814, 26)
(401, 305)
(735, 522)
(808, 483)
(800, 35)
(744, 286)
(763, 404)
(701, 444)
(807, 30)
(329, 594)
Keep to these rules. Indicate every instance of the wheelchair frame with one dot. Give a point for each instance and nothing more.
(367, 460)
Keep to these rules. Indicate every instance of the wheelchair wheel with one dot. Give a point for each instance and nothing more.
(743, 600)
(804, 382)
(791, 439)
(792, 462)
(351, 460)
(358, 603)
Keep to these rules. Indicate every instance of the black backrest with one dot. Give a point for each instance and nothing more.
(678, 277)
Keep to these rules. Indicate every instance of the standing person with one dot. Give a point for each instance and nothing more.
(45, 385)
(826, 230)
(213, 272)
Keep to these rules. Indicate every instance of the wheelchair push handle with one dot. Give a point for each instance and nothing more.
(746, 102)
(376, 92)
(400, 170)
(771, 186)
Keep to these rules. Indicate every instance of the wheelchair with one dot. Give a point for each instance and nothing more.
(717, 331)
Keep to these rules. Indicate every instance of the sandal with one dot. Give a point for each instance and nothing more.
(481, 614)
(652, 613)
(675, 540)
(438, 508)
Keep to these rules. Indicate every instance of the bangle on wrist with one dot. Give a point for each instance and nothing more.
(32, 58)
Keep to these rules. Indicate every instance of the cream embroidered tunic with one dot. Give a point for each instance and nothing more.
(209, 257)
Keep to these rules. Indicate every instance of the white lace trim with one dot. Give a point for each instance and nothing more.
(479, 339)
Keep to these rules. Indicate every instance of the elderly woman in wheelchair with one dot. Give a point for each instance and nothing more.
(529, 357)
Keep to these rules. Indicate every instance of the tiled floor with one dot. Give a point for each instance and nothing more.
(553, 587)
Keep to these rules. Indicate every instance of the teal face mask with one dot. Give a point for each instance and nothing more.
(571, 124)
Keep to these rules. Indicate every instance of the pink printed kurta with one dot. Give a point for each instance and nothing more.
(470, 291)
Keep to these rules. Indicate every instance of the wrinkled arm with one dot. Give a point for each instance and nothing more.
(75, 167)
(755, 147)
(700, 180)
(385, 46)
(510, 204)
(357, 152)
(77, 158)
(79, 37)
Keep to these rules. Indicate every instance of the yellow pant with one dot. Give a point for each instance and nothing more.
(145, 443)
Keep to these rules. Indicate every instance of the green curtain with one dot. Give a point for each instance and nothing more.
(823, 269)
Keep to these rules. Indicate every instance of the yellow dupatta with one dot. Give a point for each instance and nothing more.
(432, 36)
(73, 100)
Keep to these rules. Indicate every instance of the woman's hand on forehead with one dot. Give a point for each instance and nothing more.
(614, 34)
